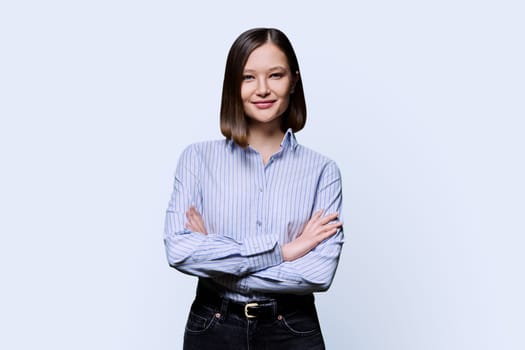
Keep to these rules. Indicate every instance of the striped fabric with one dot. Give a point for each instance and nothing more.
(250, 210)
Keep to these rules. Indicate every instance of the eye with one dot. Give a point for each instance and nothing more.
(276, 75)
(246, 77)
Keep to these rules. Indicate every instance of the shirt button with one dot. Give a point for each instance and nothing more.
(260, 189)
(259, 223)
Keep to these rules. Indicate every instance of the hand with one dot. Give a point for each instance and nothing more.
(317, 229)
(195, 222)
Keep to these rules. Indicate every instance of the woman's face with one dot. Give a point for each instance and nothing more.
(267, 82)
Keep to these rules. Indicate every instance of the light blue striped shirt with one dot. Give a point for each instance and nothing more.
(250, 210)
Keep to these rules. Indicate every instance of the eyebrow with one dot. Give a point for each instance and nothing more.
(271, 69)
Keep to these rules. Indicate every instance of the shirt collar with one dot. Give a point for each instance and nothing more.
(229, 143)
(289, 140)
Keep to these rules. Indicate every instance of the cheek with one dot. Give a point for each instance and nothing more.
(286, 102)
(283, 90)
(245, 93)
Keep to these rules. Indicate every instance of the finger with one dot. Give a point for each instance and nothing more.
(331, 226)
(312, 220)
(194, 227)
(197, 230)
(335, 224)
(197, 215)
(197, 222)
(315, 218)
(193, 220)
(329, 218)
(329, 233)
(317, 214)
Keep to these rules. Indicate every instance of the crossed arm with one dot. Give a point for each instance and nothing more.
(317, 229)
(302, 269)
(304, 265)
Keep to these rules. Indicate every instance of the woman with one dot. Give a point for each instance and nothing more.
(256, 216)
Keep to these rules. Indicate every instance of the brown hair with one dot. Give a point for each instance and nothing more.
(233, 119)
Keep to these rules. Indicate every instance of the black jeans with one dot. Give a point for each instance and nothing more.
(287, 323)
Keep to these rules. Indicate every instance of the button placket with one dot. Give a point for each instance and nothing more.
(260, 197)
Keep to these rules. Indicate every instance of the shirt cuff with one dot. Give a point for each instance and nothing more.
(261, 252)
(257, 245)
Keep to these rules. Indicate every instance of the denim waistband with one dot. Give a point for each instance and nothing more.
(269, 307)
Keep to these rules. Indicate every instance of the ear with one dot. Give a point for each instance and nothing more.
(295, 79)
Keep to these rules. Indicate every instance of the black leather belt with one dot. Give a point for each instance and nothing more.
(261, 309)
(267, 308)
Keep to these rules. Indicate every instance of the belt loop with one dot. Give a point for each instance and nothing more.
(224, 307)
(274, 306)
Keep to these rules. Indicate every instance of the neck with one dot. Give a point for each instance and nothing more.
(265, 137)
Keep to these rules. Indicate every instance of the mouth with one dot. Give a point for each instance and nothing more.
(264, 104)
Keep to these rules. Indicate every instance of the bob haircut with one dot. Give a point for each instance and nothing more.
(233, 119)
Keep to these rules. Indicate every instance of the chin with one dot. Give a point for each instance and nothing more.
(263, 119)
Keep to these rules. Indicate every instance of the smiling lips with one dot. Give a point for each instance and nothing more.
(264, 104)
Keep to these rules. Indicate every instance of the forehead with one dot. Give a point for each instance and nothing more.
(266, 56)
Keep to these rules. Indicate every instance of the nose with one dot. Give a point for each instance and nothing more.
(262, 87)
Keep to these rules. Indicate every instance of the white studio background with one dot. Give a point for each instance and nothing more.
(420, 103)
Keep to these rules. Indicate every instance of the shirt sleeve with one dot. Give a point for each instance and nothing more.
(208, 255)
(314, 272)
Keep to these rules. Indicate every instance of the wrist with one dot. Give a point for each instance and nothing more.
(285, 252)
(295, 249)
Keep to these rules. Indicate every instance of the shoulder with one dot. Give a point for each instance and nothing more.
(325, 169)
(313, 162)
(196, 155)
(316, 158)
(204, 147)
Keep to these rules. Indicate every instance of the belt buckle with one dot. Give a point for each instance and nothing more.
(246, 310)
